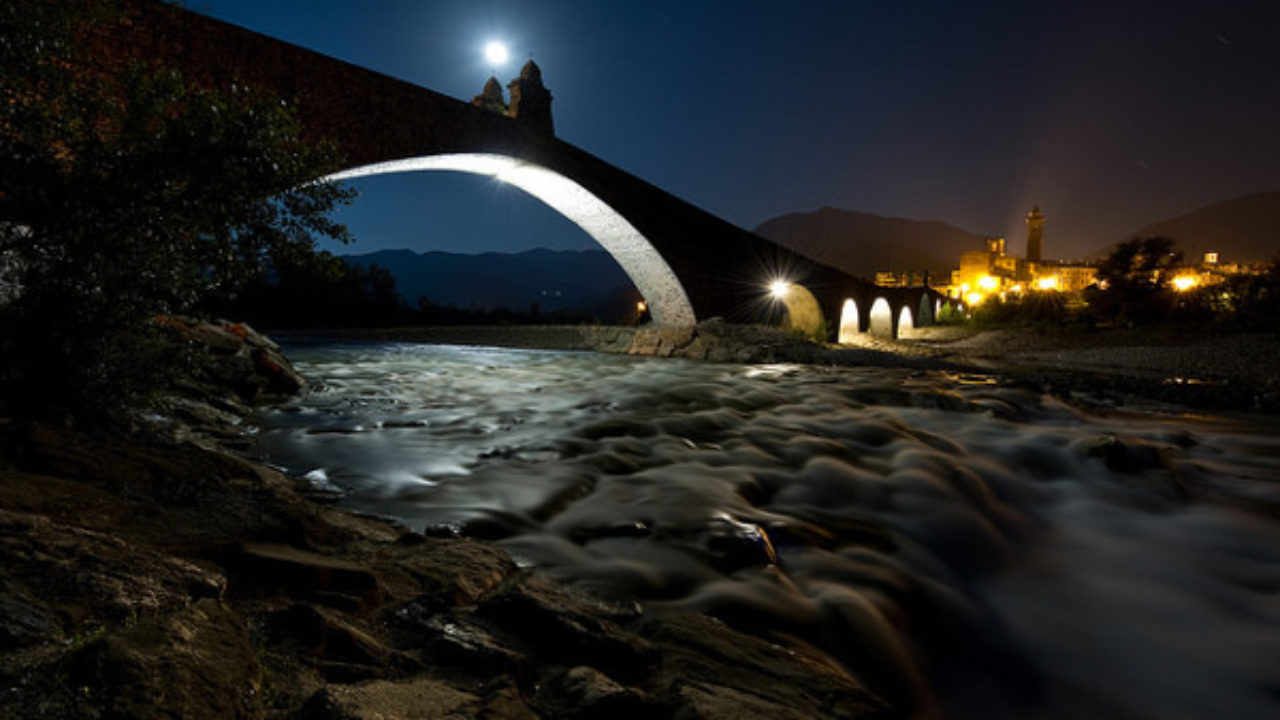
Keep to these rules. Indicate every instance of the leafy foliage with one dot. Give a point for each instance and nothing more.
(1133, 281)
(129, 194)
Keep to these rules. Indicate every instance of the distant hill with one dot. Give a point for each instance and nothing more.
(583, 281)
(1243, 229)
(863, 244)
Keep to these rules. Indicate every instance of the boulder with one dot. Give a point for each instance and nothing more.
(196, 662)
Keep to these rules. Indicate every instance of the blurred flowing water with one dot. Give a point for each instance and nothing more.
(982, 551)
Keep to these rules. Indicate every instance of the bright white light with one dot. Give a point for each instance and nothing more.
(779, 288)
(496, 53)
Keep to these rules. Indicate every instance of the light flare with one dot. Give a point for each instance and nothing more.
(496, 52)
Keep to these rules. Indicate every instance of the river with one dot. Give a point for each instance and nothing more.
(984, 549)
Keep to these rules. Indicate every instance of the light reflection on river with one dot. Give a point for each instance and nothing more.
(942, 536)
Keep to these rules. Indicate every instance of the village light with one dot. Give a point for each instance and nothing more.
(988, 283)
(973, 298)
(1183, 283)
(1048, 283)
(779, 288)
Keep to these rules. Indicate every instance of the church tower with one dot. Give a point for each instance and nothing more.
(530, 99)
(1035, 234)
(491, 98)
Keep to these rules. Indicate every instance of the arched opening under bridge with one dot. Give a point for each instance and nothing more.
(880, 320)
(668, 303)
(803, 312)
(906, 323)
(849, 328)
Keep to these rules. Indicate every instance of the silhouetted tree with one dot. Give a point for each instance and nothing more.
(124, 195)
(1132, 282)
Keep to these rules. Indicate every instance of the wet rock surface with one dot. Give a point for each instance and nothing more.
(161, 576)
(350, 619)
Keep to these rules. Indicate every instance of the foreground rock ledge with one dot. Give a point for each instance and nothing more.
(166, 577)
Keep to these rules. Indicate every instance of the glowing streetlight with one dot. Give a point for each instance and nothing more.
(496, 53)
(988, 283)
(973, 298)
(1048, 283)
(779, 288)
(641, 306)
(1183, 283)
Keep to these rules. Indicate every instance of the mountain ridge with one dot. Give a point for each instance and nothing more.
(587, 281)
(1240, 229)
(862, 243)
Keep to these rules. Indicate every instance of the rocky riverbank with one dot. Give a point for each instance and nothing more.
(162, 574)
(1228, 371)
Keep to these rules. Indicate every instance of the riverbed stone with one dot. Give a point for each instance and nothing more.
(196, 662)
(265, 568)
(337, 648)
(387, 700)
(713, 671)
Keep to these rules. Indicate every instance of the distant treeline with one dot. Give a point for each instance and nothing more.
(325, 291)
(1136, 287)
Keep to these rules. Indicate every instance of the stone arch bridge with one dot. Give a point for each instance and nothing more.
(687, 264)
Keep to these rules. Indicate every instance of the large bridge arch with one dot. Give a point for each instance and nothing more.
(652, 276)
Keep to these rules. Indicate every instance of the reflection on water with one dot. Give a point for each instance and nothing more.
(944, 537)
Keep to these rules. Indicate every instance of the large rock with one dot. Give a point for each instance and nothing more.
(385, 700)
(236, 359)
(193, 663)
(712, 671)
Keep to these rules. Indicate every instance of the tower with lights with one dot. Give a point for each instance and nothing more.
(1035, 234)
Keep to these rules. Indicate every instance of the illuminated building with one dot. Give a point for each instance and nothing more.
(983, 273)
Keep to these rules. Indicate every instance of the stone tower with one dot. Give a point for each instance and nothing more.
(491, 97)
(1035, 234)
(530, 99)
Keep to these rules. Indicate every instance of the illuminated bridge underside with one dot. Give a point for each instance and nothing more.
(657, 283)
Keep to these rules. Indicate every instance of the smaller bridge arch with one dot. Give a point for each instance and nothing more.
(849, 322)
(926, 312)
(880, 320)
(803, 312)
(905, 321)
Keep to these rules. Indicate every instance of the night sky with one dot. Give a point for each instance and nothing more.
(1109, 115)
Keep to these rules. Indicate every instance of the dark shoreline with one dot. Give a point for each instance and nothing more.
(1229, 371)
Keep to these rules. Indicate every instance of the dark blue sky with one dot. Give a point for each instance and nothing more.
(1109, 115)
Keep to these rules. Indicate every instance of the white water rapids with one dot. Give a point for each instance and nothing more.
(979, 550)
